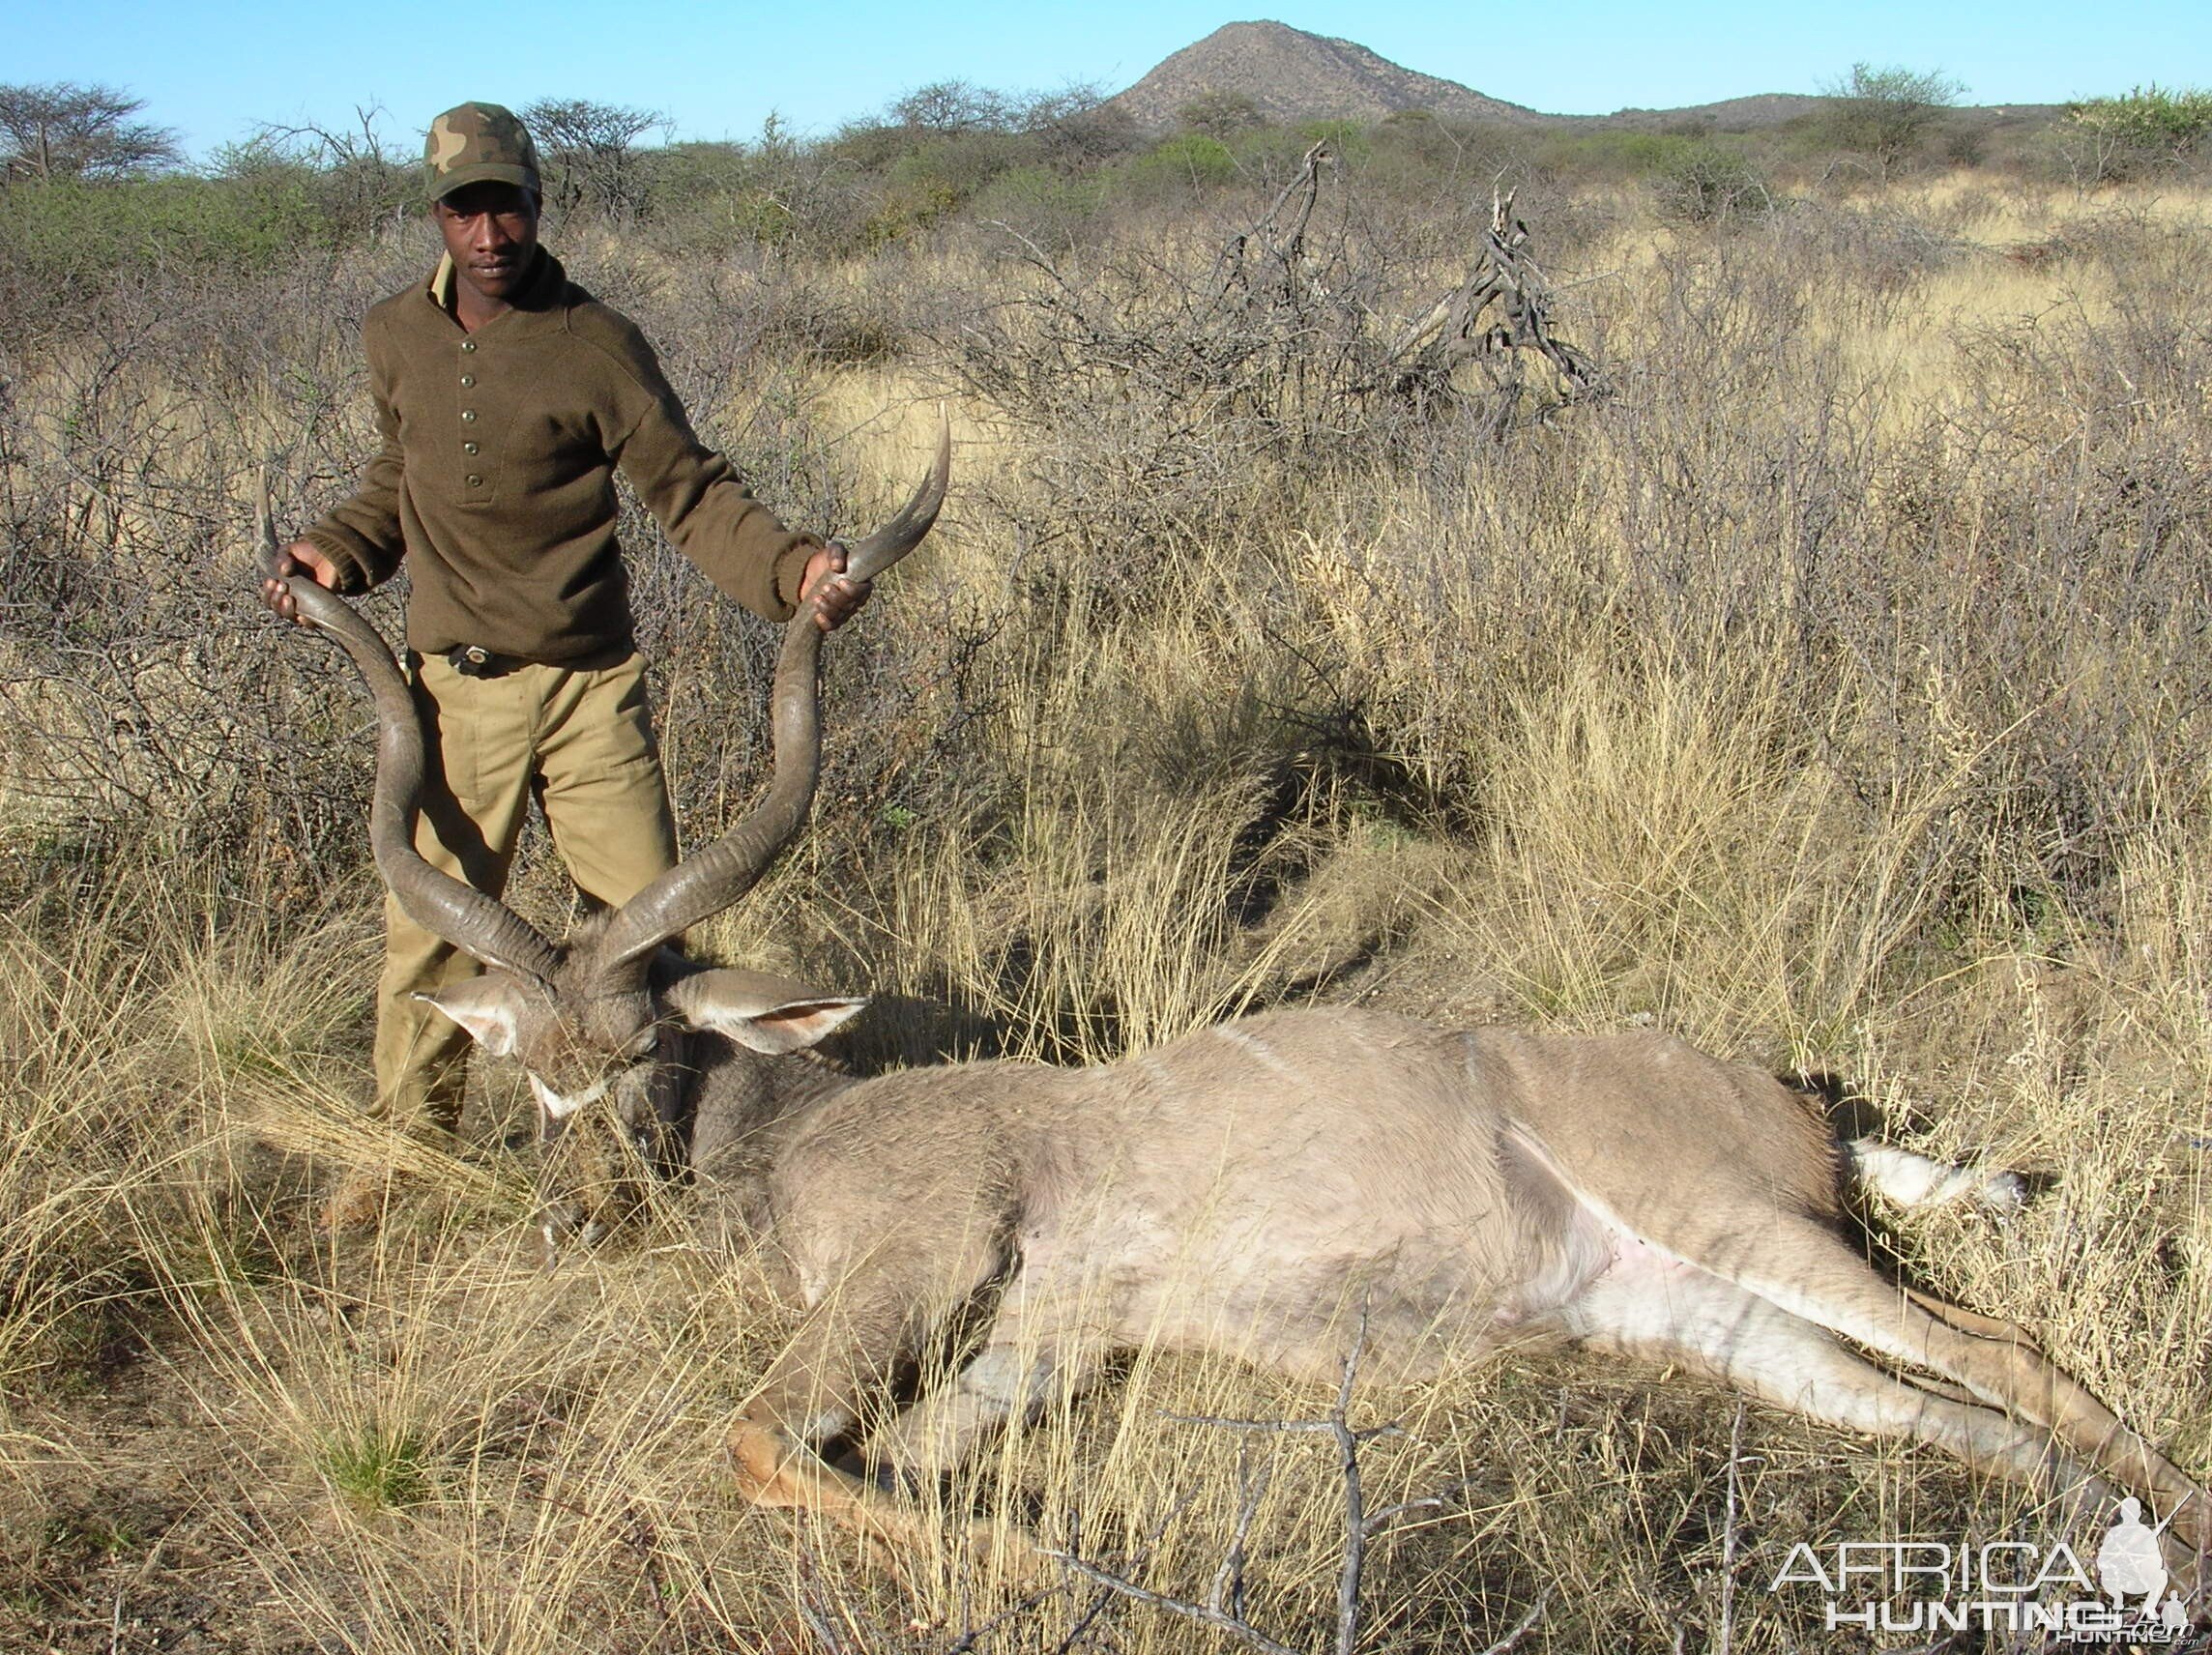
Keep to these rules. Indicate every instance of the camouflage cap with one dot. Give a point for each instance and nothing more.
(473, 143)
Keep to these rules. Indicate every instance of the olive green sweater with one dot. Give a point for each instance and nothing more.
(496, 478)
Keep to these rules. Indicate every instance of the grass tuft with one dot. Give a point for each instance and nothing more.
(378, 1468)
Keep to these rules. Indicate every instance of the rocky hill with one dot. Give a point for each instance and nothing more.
(1290, 75)
(1287, 76)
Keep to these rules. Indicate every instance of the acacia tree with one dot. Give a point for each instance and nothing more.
(954, 107)
(61, 129)
(1075, 126)
(1885, 112)
(588, 153)
(1219, 114)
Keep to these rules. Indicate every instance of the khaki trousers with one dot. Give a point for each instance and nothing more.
(580, 741)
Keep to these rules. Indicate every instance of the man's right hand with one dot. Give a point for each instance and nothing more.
(301, 556)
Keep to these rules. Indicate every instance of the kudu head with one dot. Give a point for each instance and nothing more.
(601, 1022)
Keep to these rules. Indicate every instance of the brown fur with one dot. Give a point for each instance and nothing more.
(1290, 1186)
(1288, 1189)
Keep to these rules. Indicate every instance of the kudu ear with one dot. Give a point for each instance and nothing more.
(488, 1006)
(763, 1013)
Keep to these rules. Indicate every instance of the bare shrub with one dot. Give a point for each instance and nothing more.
(1172, 401)
(1710, 182)
(141, 685)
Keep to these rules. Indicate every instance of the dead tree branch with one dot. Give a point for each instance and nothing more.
(1521, 1627)
(1203, 1613)
(1224, 1608)
(1277, 243)
(1504, 282)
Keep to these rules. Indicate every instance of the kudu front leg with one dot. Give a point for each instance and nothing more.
(778, 1470)
(896, 1302)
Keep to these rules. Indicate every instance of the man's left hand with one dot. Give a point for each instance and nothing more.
(836, 598)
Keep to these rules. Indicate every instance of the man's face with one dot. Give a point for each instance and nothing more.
(491, 231)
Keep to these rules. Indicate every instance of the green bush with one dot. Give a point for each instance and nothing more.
(775, 191)
(678, 176)
(1188, 160)
(1617, 155)
(1039, 202)
(1347, 138)
(953, 166)
(2150, 129)
(67, 237)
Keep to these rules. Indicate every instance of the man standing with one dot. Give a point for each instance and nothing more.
(507, 397)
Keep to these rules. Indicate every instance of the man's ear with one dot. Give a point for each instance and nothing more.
(488, 1006)
(763, 1013)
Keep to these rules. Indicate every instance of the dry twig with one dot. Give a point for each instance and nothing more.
(1224, 1608)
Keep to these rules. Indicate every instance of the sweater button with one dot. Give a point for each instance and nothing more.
(468, 344)
(468, 448)
(476, 481)
(467, 380)
(469, 416)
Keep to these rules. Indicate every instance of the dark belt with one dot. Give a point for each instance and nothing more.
(474, 660)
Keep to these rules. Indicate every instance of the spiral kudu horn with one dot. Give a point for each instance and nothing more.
(463, 916)
(710, 880)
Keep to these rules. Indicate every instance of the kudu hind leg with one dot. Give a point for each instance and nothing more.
(1996, 1361)
(1676, 1313)
(780, 1471)
(1992, 1357)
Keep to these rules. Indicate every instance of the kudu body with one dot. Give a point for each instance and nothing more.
(1293, 1185)
(1280, 1188)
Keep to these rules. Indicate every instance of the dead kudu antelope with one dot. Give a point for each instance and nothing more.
(1278, 1188)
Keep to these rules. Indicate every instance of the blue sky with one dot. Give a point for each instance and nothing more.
(213, 71)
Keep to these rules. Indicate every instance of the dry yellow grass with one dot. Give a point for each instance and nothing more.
(1584, 735)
